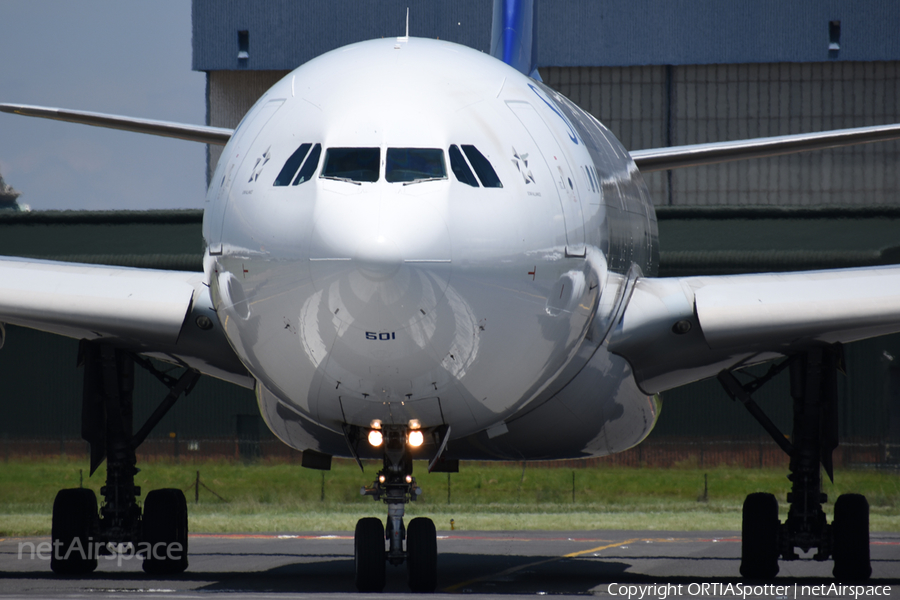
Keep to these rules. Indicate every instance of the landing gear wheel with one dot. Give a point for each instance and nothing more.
(851, 538)
(165, 528)
(759, 537)
(421, 555)
(74, 512)
(368, 551)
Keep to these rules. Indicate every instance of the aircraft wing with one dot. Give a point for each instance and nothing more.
(679, 157)
(681, 329)
(164, 314)
(193, 133)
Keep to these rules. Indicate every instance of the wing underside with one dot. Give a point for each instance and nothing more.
(682, 329)
(165, 314)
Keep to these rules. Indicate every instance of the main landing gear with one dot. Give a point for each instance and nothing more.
(81, 533)
(813, 376)
(396, 486)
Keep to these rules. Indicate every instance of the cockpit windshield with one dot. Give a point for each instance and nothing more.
(351, 164)
(412, 165)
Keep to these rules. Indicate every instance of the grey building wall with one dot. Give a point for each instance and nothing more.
(653, 106)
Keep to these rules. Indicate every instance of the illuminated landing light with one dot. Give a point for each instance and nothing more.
(416, 438)
(375, 437)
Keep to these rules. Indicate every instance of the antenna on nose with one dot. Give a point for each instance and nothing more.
(406, 37)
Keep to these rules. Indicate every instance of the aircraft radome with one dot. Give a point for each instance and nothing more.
(456, 265)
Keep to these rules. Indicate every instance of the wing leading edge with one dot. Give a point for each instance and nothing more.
(682, 329)
(165, 314)
(679, 157)
(192, 133)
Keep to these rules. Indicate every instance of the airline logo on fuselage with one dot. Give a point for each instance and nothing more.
(572, 135)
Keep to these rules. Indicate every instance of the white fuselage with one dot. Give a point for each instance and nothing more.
(355, 298)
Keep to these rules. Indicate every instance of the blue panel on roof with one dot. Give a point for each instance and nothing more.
(283, 34)
(678, 32)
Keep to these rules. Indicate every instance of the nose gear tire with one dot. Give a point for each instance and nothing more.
(368, 551)
(421, 555)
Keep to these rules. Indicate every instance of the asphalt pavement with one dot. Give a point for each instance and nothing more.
(616, 564)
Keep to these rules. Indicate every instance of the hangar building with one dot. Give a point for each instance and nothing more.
(656, 72)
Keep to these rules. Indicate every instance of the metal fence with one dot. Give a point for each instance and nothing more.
(662, 452)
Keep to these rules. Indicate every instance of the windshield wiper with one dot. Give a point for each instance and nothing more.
(423, 180)
(344, 179)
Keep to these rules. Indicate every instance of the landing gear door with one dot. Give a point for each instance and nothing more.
(559, 170)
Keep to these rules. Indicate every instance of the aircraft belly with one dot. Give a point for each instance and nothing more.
(599, 412)
(334, 370)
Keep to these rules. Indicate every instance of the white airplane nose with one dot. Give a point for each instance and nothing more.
(375, 255)
(379, 257)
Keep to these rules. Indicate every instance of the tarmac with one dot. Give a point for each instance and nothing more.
(636, 565)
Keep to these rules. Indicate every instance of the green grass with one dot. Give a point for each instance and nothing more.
(278, 497)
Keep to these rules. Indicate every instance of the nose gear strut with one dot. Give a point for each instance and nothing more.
(396, 487)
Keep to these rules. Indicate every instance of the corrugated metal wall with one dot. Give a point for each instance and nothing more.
(867, 399)
(40, 396)
(647, 107)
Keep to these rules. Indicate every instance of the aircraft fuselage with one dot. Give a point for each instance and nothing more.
(367, 266)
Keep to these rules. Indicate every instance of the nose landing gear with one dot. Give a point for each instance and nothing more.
(396, 486)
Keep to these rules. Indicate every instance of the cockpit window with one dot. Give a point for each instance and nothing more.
(409, 165)
(351, 164)
(459, 167)
(482, 167)
(310, 166)
(291, 166)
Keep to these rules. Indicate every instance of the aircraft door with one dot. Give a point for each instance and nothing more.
(237, 150)
(564, 178)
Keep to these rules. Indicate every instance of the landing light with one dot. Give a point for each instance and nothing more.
(375, 437)
(416, 438)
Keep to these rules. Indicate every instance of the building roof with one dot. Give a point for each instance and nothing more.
(283, 34)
